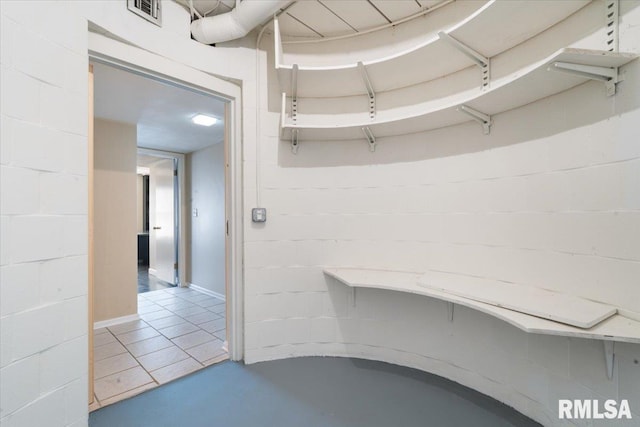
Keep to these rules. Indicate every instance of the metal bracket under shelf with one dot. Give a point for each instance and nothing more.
(594, 72)
(294, 141)
(482, 61)
(609, 357)
(370, 92)
(482, 118)
(450, 307)
(371, 139)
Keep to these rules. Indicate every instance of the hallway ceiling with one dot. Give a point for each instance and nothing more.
(162, 112)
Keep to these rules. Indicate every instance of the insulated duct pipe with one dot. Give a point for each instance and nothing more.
(235, 24)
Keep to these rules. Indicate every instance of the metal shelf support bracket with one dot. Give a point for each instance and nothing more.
(371, 139)
(294, 141)
(609, 357)
(370, 92)
(482, 61)
(450, 311)
(482, 118)
(605, 74)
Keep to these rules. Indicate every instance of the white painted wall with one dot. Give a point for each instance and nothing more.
(43, 188)
(206, 231)
(43, 222)
(115, 238)
(573, 155)
(550, 199)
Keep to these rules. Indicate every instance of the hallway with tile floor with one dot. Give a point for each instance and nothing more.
(180, 331)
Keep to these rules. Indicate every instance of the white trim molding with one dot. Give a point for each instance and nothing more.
(207, 291)
(116, 321)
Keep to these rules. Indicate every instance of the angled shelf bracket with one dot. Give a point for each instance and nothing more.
(371, 139)
(294, 141)
(609, 357)
(370, 91)
(294, 93)
(353, 297)
(450, 311)
(605, 74)
(482, 118)
(482, 61)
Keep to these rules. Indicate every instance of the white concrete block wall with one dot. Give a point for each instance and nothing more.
(43, 310)
(550, 165)
(549, 199)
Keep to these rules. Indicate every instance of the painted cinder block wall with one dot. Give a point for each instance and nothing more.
(550, 199)
(579, 145)
(43, 253)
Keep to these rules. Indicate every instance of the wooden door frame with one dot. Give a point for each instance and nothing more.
(90, 218)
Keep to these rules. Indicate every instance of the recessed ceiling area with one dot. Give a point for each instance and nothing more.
(162, 112)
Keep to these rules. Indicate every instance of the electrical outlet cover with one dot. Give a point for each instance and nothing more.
(259, 215)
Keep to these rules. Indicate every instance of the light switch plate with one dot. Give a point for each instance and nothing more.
(259, 215)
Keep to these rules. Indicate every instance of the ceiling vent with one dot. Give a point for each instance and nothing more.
(148, 9)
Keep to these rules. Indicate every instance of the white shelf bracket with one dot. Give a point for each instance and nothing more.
(450, 311)
(294, 141)
(370, 91)
(371, 139)
(482, 61)
(609, 357)
(353, 297)
(294, 93)
(482, 118)
(604, 74)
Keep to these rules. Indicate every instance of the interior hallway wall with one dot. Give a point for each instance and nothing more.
(205, 179)
(115, 195)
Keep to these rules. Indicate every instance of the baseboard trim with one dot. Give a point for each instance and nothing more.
(116, 321)
(207, 291)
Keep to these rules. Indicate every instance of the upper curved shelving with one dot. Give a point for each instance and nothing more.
(488, 30)
(519, 88)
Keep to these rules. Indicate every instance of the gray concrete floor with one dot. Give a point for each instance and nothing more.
(310, 392)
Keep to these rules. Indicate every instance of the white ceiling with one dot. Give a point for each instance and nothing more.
(162, 112)
(328, 18)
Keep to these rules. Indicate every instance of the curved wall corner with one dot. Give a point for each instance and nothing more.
(550, 198)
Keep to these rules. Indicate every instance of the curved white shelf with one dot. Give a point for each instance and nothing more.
(615, 328)
(493, 28)
(520, 88)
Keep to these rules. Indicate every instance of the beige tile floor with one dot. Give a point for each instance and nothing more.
(181, 330)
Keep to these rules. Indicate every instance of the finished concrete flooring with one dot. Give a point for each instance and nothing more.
(309, 392)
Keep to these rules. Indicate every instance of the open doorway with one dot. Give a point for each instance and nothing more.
(179, 201)
(157, 217)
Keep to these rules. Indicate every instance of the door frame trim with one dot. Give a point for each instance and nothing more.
(133, 59)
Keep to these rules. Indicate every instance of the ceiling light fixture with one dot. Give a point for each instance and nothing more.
(204, 120)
